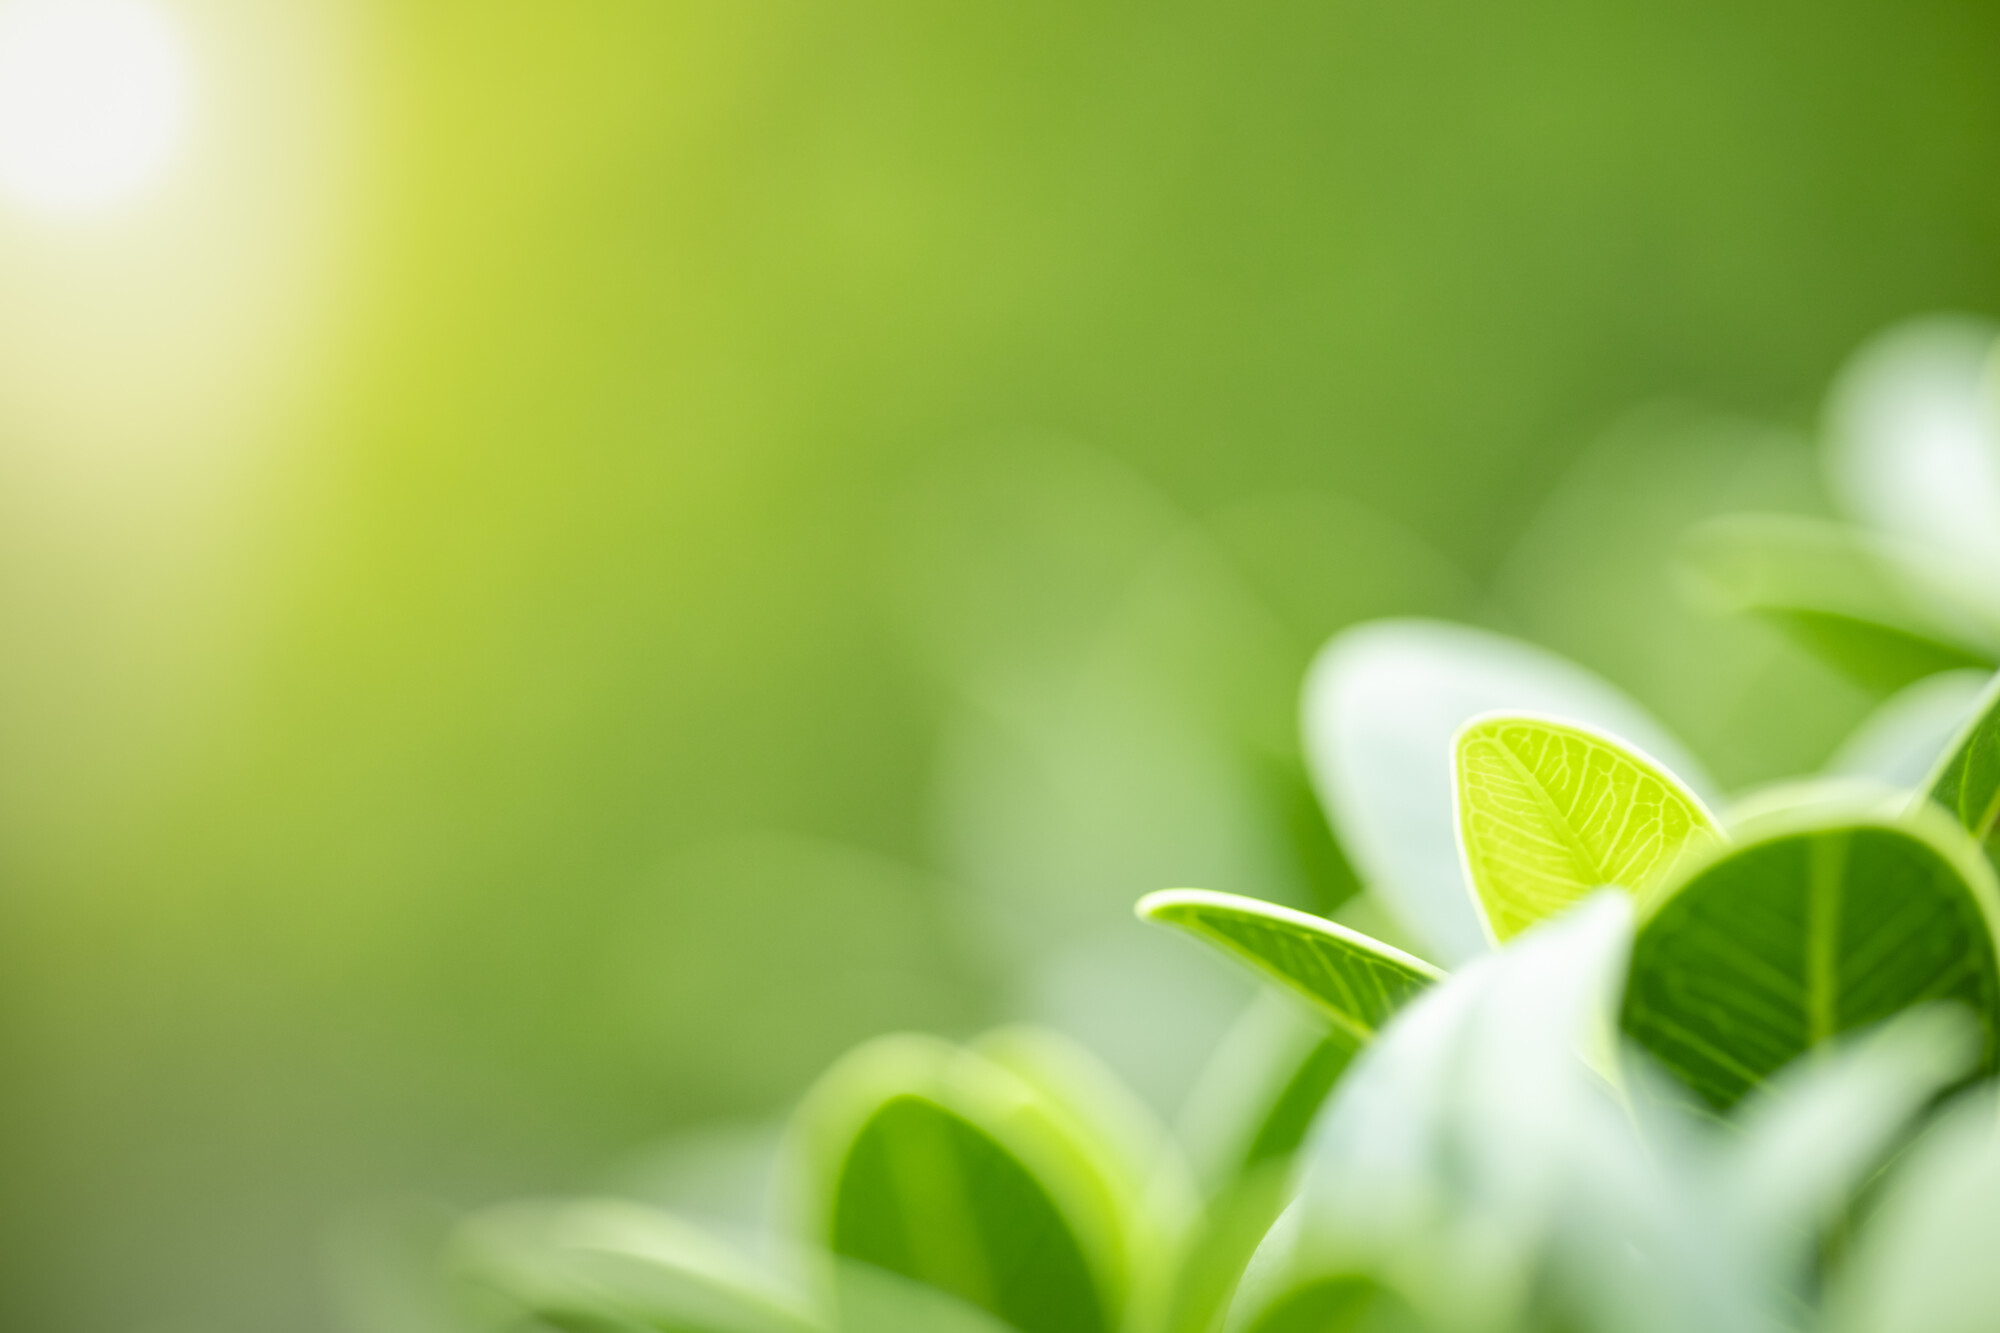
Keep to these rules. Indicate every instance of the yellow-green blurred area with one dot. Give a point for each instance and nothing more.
(567, 562)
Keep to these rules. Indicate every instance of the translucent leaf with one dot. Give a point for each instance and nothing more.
(1812, 925)
(1356, 982)
(1966, 781)
(1382, 703)
(1549, 811)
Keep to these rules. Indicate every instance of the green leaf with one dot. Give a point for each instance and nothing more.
(1549, 811)
(1966, 781)
(1357, 982)
(1813, 925)
(1869, 609)
(930, 1195)
(944, 1167)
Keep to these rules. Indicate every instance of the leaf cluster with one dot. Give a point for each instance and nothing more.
(1672, 1064)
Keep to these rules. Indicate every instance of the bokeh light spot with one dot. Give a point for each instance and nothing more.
(93, 101)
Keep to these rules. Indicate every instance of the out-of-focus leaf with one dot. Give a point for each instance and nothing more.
(1912, 449)
(1549, 811)
(874, 1300)
(1382, 703)
(1283, 1128)
(1593, 576)
(947, 1168)
(1811, 1136)
(1345, 1304)
(1876, 612)
(1140, 1175)
(1812, 925)
(1233, 1223)
(1902, 740)
(1249, 1114)
(612, 1265)
(1474, 1161)
(1356, 982)
(1923, 1260)
(1261, 1087)
(926, 1193)
(1966, 781)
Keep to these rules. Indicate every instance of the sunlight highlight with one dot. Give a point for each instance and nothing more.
(93, 101)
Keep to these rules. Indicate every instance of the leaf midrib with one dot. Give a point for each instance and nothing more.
(1827, 869)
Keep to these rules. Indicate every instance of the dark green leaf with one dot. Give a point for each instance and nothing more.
(950, 1168)
(929, 1195)
(1810, 926)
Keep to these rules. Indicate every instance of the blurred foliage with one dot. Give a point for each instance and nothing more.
(603, 598)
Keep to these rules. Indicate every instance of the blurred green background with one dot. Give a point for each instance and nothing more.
(574, 560)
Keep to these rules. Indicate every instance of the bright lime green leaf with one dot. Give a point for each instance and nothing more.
(1813, 925)
(1357, 982)
(1966, 781)
(1549, 811)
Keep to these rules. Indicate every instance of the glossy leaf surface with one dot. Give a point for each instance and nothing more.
(1549, 811)
(1357, 982)
(1810, 927)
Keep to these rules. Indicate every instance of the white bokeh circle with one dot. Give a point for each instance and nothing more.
(94, 101)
